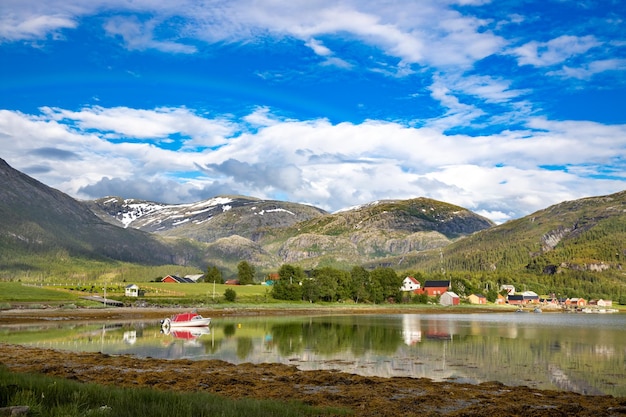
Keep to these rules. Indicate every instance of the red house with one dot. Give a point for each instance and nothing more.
(435, 288)
(177, 280)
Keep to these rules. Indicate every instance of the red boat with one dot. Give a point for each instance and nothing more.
(185, 320)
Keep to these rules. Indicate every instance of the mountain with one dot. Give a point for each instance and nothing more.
(588, 234)
(36, 219)
(375, 231)
(269, 233)
(205, 221)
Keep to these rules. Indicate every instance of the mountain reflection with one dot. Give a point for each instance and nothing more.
(557, 351)
(326, 337)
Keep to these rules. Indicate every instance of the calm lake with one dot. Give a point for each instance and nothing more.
(585, 353)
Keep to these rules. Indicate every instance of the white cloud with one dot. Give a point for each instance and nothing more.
(590, 69)
(555, 51)
(330, 60)
(160, 123)
(316, 162)
(14, 28)
(140, 35)
(427, 32)
(318, 47)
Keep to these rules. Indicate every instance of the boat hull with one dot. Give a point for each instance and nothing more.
(194, 323)
(186, 320)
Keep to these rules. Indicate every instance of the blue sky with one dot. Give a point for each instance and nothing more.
(501, 107)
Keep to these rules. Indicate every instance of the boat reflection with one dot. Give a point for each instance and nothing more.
(186, 333)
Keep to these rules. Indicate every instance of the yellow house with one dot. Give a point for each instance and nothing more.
(477, 299)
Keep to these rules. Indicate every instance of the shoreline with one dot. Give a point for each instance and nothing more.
(33, 316)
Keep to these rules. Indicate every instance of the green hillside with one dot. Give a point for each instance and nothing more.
(575, 247)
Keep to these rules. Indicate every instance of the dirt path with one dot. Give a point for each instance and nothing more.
(367, 396)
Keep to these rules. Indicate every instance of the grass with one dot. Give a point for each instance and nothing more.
(245, 293)
(55, 397)
(16, 292)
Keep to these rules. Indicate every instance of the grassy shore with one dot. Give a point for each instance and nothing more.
(51, 397)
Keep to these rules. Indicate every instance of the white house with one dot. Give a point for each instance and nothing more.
(131, 290)
(510, 289)
(410, 284)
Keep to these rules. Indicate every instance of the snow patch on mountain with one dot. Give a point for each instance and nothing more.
(133, 211)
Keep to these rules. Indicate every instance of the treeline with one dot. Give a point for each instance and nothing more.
(330, 284)
(383, 284)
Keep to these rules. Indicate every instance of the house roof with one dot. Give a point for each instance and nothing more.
(195, 277)
(451, 294)
(412, 280)
(437, 284)
(132, 286)
(182, 280)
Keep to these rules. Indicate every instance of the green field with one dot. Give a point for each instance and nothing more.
(15, 292)
(12, 293)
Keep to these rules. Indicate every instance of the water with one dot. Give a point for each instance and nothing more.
(584, 353)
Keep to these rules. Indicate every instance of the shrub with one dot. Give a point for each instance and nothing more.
(230, 295)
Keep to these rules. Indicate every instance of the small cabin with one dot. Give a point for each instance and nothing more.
(133, 290)
(449, 298)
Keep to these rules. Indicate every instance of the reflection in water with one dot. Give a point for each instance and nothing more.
(564, 351)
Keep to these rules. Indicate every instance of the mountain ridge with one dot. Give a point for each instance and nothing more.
(36, 218)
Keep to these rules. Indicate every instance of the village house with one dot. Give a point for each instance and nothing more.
(515, 299)
(434, 288)
(449, 298)
(601, 303)
(553, 302)
(477, 299)
(510, 289)
(576, 302)
(530, 297)
(177, 280)
(410, 284)
(527, 297)
(131, 290)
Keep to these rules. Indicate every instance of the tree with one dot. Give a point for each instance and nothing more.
(284, 290)
(213, 275)
(328, 281)
(359, 278)
(245, 273)
(230, 295)
(293, 274)
(310, 290)
(388, 281)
